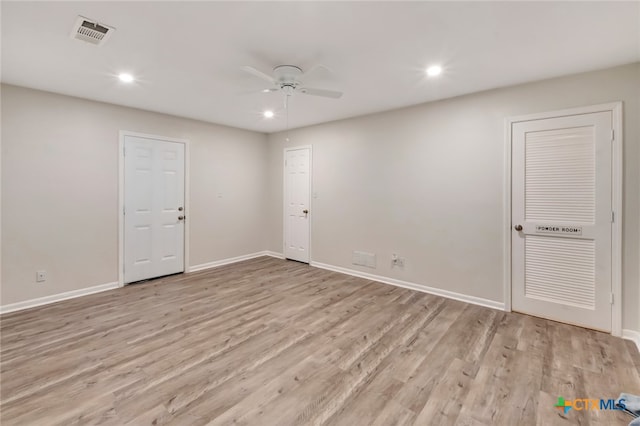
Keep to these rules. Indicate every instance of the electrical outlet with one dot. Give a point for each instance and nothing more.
(397, 261)
(41, 276)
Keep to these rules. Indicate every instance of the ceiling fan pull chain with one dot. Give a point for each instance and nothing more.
(286, 108)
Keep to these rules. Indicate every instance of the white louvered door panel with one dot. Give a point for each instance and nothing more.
(561, 259)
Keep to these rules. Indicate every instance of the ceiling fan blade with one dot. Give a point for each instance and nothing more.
(316, 68)
(253, 92)
(258, 73)
(320, 92)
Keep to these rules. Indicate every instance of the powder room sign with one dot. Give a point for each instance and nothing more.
(557, 229)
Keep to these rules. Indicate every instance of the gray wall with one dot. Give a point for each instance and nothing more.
(60, 190)
(426, 182)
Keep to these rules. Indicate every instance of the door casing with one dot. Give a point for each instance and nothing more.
(123, 134)
(616, 231)
(284, 197)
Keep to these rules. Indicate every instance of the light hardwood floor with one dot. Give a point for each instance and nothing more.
(273, 342)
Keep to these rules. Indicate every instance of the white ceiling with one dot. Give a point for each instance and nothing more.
(187, 55)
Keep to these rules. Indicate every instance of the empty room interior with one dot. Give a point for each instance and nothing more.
(320, 213)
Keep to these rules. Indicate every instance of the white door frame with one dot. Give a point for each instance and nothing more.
(123, 134)
(616, 227)
(284, 195)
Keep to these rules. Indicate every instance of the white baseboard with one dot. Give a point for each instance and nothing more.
(56, 298)
(274, 254)
(216, 263)
(413, 286)
(632, 335)
(109, 286)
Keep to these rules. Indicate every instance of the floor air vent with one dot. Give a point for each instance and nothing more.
(90, 31)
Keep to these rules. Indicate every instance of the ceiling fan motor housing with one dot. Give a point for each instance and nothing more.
(286, 78)
(287, 73)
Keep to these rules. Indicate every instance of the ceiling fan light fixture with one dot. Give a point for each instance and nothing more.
(434, 70)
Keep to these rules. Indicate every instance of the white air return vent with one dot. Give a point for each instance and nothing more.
(90, 31)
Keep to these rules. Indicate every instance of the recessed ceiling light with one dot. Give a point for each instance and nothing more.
(268, 114)
(125, 78)
(434, 70)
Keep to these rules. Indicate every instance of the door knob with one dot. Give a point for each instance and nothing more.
(518, 227)
(305, 211)
(180, 217)
(180, 209)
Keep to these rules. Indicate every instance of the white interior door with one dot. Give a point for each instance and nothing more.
(297, 180)
(561, 218)
(153, 208)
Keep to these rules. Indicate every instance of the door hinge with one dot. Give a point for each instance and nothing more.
(124, 151)
(612, 135)
(611, 298)
(613, 217)
(124, 210)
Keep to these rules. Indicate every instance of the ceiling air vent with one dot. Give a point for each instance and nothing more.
(90, 31)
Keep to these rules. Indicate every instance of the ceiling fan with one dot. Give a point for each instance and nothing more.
(289, 80)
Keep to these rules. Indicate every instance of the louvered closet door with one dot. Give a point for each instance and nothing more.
(562, 200)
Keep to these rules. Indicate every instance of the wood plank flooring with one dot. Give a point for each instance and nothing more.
(273, 342)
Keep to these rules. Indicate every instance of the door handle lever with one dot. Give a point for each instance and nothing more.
(181, 217)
